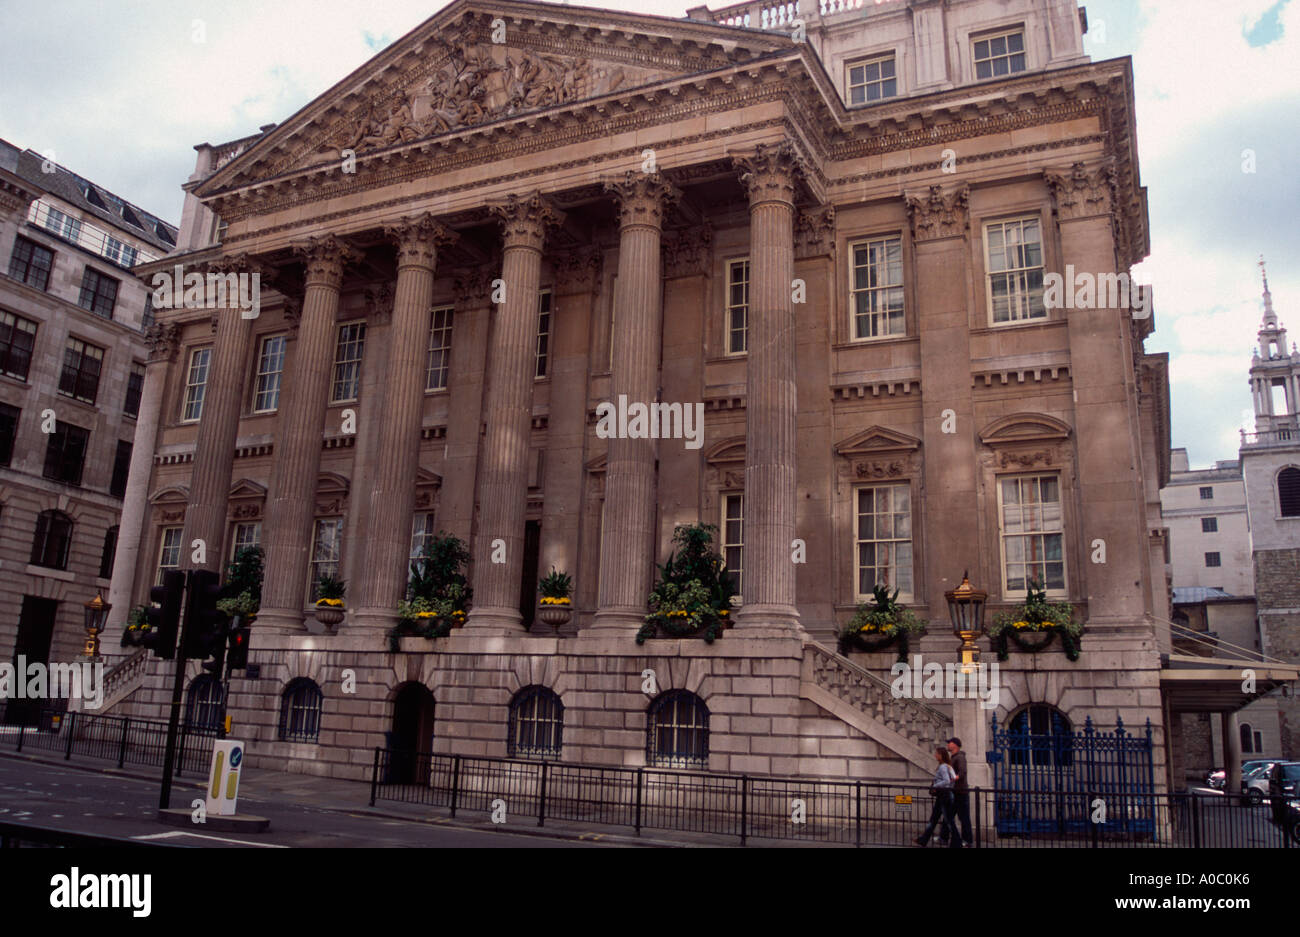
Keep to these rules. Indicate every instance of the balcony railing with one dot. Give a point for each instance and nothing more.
(87, 236)
(769, 14)
(1280, 436)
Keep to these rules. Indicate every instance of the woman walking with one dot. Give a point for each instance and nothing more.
(944, 801)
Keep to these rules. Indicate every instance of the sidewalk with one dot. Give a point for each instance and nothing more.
(353, 797)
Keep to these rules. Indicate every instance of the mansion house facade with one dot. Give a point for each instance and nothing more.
(834, 246)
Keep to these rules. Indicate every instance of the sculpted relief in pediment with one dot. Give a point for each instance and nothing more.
(470, 85)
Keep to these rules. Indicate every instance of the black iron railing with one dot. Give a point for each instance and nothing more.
(119, 739)
(849, 813)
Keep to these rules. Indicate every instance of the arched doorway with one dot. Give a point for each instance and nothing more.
(411, 740)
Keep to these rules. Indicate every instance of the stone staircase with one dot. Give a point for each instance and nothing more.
(858, 697)
(124, 679)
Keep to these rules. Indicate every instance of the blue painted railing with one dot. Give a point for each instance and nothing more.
(1105, 777)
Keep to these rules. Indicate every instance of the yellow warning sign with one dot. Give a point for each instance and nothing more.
(902, 798)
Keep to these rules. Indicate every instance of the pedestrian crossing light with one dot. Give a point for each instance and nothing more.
(164, 615)
(206, 626)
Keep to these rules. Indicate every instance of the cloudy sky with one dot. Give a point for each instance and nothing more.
(120, 91)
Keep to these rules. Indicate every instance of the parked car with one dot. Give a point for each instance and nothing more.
(1218, 780)
(1285, 781)
(1254, 786)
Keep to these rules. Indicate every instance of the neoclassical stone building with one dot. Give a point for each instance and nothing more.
(72, 362)
(830, 235)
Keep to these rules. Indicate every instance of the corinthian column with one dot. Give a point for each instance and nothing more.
(392, 496)
(163, 339)
(768, 591)
(503, 473)
(291, 499)
(628, 529)
(214, 450)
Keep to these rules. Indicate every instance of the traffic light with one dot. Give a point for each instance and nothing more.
(164, 615)
(237, 655)
(205, 624)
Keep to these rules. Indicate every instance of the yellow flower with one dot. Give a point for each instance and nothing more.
(722, 612)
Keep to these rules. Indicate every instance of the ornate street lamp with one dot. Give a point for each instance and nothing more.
(966, 612)
(96, 618)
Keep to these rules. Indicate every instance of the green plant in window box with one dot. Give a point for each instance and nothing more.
(137, 626)
(692, 597)
(330, 591)
(881, 624)
(1035, 623)
(439, 594)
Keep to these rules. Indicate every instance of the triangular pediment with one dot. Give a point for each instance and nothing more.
(425, 478)
(877, 439)
(476, 64)
(247, 488)
(1024, 427)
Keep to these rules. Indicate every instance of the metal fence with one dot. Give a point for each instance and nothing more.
(847, 813)
(118, 739)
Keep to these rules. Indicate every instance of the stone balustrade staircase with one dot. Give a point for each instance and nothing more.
(906, 726)
(123, 679)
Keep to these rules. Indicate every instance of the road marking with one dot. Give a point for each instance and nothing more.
(221, 839)
(595, 837)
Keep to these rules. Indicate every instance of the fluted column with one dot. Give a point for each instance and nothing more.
(214, 450)
(163, 339)
(503, 473)
(627, 538)
(768, 590)
(392, 495)
(291, 500)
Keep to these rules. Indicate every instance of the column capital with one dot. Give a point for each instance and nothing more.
(577, 271)
(938, 214)
(769, 172)
(1084, 190)
(524, 221)
(324, 258)
(814, 232)
(418, 239)
(474, 287)
(239, 263)
(163, 339)
(688, 252)
(643, 197)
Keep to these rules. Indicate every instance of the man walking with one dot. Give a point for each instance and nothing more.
(961, 790)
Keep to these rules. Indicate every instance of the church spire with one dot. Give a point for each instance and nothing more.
(1270, 317)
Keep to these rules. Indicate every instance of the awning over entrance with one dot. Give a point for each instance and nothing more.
(1217, 684)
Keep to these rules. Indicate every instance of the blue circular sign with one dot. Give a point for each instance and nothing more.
(236, 756)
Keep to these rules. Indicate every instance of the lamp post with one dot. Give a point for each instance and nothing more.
(966, 612)
(96, 617)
